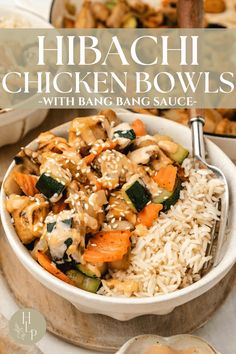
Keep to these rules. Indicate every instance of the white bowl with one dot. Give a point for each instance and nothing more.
(226, 143)
(128, 308)
(17, 123)
(140, 344)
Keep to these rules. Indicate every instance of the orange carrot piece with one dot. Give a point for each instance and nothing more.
(107, 246)
(26, 182)
(46, 263)
(139, 127)
(149, 214)
(166, 177)
(108, 146)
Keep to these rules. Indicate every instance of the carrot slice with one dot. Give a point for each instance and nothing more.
(149, 214)
(108, 246)
(139, 127)
(166, 177)
(27, 183)
(46, 263)
(98, 150)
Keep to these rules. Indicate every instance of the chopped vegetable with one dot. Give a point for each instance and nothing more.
(149, 214)
(138, 195)
(98, 150)
(107, 246)
(47, 264)
(83, 282)
(49, 187)
(180, 155)
(128, 134)
(27, 183)
(169, 198)
(166, 177)
(86, 271)
(139, 127)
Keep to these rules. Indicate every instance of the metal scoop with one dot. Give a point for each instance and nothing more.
(219, 229)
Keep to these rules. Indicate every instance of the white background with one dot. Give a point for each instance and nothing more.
(220, 330)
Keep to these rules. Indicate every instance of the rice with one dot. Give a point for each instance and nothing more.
(172, 254)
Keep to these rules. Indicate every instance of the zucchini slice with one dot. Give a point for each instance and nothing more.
(83, 269)
(128, 134)
(83, 282)
(138, 195)
(180, 155)
(50, 187)
(167, 198)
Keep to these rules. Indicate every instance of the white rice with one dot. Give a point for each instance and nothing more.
(172, 254)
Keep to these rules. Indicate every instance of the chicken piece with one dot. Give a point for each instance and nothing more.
(29, 215)
(89, 217)
(119, 209)
(177, 115)
(226, 112)
(212, 118)
(145, 140)
(113, 167)
(144, 154)
(117, 15)
(48, 142)
(153, 20)
(86, 131)
(122, 264)
(168, 146)
(227, 127)
(85, 18)
(125, 287)
(162, 161)
(111, 116)
(137, 5)
(100, 11)
(214, 6)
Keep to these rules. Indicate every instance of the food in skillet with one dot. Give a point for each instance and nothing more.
(113, 209)
(220, 121)
(131, 14)
(119, 14)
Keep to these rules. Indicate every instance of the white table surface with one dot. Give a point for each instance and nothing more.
(220, 330)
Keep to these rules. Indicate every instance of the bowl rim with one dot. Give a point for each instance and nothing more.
(33, 267)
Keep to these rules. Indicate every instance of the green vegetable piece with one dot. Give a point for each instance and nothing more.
(167, 198)
(68, 242)
(50, 226)
(139, 195)
(84, 282)
(128, 134)
(68, 222)
(48, 186)
(83, 269)
(180, 155)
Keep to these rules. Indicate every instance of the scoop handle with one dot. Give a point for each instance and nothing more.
(190, 13)
(197, 123)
